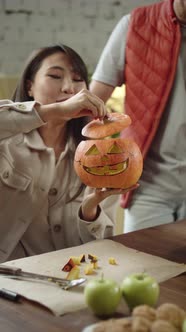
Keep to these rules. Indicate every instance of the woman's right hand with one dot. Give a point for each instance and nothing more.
(84, 103)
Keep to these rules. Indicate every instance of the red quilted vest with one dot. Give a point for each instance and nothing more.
(151, 55)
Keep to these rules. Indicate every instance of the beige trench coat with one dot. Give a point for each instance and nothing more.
(34, 214)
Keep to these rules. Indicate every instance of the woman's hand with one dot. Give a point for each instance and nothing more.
(84, 103)
(94, 197)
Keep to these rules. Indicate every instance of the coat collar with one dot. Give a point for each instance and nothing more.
(35, 142)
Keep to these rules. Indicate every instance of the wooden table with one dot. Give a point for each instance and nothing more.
(167, 241)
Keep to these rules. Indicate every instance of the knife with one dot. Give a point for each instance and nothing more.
(9, 295)
(17, 273)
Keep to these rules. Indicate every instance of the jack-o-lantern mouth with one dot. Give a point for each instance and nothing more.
(107, 169)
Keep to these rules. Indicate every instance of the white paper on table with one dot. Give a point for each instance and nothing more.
(60, 301)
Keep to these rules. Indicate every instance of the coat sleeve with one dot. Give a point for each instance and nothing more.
(104, 225)
(18, 118)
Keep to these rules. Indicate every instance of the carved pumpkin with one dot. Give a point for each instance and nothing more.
(110, 162)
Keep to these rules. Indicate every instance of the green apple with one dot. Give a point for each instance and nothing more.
(140, 288)
(184, 326)
(102, 296)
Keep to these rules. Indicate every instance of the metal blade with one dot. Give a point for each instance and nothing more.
(17, 273)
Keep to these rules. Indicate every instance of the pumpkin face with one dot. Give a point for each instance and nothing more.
(108, 163)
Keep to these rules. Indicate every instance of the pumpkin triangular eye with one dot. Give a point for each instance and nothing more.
(92, 151)
(114, 149)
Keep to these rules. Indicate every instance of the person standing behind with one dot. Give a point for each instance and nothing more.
(147, 52)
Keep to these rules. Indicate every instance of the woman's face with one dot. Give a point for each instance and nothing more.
(55, 81)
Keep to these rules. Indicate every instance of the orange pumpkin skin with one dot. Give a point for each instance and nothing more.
(115, 123)
(108, 163)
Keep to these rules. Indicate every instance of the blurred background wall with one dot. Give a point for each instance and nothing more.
(84, 25)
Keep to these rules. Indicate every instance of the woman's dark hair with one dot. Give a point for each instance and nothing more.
(32, 66)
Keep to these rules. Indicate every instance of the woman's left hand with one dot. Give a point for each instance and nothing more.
(94, 197)
(106, 192)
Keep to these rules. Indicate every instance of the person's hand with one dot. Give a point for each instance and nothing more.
(103, 193)
(94, 197)
(84, 103)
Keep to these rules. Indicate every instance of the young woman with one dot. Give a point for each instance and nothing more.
(44, 206)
